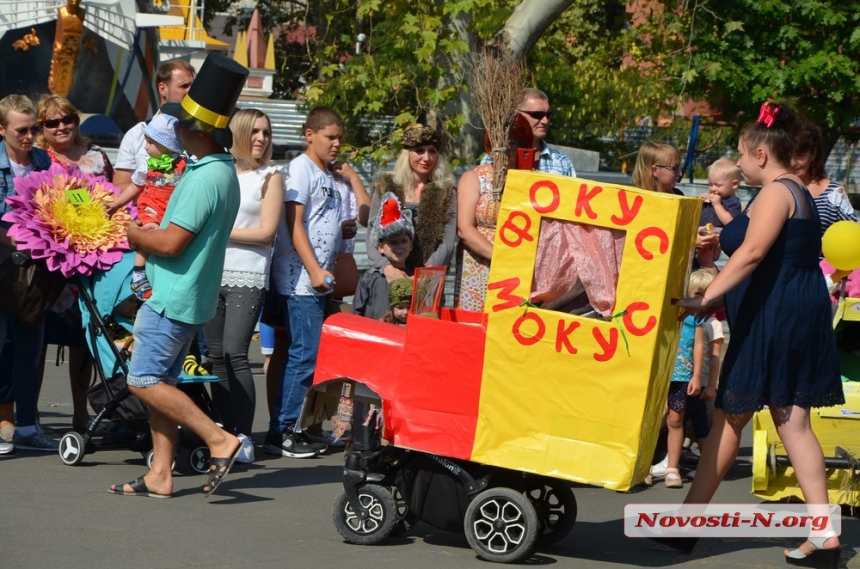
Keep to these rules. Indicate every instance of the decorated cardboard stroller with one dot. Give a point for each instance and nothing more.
(488, 416)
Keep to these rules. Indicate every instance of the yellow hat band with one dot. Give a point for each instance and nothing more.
(203, 114)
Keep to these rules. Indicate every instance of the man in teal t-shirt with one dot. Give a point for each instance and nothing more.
(185, 287)
(186, 258)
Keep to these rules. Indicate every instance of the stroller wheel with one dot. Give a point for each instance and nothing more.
(555, 504)
(72, 448)
(501, 525)
(406, 518)
(149, 457)
(198, 460)
(382, 510)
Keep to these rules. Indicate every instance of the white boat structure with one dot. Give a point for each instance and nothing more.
(101, 54)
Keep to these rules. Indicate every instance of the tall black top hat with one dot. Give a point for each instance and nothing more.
(209, 103)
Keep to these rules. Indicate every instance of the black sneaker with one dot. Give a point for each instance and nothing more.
(313, 442)
(289, 445)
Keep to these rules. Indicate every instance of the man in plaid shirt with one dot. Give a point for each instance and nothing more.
(534, 106)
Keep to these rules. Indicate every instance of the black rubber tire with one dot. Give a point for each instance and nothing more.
(72, 448)
(383, 515)
(555, 505)
(198, 460)
(148, 456)
(406, 519)
(501, 525)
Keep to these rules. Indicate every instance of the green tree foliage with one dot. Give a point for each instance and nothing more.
(410, 67)
(307, 32)
(737, 54)
(413, 66)
(586, 63)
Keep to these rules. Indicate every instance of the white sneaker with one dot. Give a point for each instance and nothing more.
(659, 470)
(7, 432)
(246, 456)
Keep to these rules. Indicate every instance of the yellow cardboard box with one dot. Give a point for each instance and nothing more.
(563, 395)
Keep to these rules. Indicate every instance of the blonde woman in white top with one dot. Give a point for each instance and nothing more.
(246, 270)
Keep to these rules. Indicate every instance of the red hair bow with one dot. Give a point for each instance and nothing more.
(767, 114)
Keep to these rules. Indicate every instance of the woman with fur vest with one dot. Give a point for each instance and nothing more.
(424, 184)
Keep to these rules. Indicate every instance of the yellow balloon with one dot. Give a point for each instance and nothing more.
(841, 245)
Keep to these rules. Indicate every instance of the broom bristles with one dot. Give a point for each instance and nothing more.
(497, 81)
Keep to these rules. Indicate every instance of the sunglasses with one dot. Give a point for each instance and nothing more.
(54, 123)
(22, 132)
(537, 115)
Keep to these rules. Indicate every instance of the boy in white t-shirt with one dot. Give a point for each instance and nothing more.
(307, 245)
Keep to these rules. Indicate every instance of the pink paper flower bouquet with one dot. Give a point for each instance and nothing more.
(61, 216)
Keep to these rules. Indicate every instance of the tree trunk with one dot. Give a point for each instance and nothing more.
(469, 144)
(528, 22)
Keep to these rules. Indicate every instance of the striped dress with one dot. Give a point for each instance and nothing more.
(833, 205)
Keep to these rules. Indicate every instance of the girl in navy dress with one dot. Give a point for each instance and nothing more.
(782, 354)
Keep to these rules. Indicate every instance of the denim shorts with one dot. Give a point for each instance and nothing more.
(160, 346)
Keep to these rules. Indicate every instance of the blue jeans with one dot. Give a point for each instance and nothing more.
(304, 320)
(160, 345)
(19, 366)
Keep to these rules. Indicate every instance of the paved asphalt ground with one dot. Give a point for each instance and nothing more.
(277, 513)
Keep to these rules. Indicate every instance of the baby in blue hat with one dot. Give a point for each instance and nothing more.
(164, 168)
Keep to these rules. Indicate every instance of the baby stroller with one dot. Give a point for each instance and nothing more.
(105, 307)
(489, 417)
(387, 488)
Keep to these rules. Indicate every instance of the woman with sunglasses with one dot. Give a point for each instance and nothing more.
(62, 139)
(19, 371)
(424, 184)
(658, 168)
